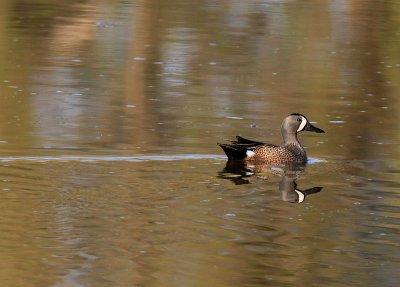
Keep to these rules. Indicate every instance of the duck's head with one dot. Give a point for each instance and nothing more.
(295, 123)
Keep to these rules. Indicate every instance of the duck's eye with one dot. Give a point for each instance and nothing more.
(299, 119)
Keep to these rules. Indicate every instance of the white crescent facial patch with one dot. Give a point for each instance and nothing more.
(302, 124)
(301, 195)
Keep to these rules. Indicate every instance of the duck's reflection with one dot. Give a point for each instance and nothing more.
(239, 172)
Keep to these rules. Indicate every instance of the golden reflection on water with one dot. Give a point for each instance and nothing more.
(164, 78)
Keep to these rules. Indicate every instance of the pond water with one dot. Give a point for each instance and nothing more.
(110, 173)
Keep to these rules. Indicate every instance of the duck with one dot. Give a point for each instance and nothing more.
(290, 152)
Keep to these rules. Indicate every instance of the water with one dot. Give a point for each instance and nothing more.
(110, 114)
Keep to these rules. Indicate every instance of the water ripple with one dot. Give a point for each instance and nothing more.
(112, 158)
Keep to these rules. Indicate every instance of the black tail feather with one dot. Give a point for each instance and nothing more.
(233, 152)
(237, 149)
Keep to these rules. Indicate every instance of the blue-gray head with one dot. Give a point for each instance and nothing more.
(295, 123)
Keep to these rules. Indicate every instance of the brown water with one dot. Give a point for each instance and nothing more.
(110, 113)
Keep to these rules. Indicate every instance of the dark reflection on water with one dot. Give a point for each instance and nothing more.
(239, 172)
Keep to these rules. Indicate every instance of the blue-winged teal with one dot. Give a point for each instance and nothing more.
(291, 151)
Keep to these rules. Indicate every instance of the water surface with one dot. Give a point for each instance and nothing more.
(110, 113)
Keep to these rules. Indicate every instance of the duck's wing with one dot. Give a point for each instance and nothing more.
(238, 149)
(241, 140)
(244, 141)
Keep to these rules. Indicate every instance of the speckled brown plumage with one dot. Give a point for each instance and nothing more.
(291, 151)
(278, 154)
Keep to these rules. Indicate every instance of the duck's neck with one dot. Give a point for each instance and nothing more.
(291, 142)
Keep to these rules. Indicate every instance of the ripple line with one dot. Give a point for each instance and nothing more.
(112, 158)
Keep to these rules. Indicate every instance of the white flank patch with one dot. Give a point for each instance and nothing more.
(301, 195)
(302, 125)
(250, 153)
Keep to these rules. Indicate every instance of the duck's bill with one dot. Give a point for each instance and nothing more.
(309, 127)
